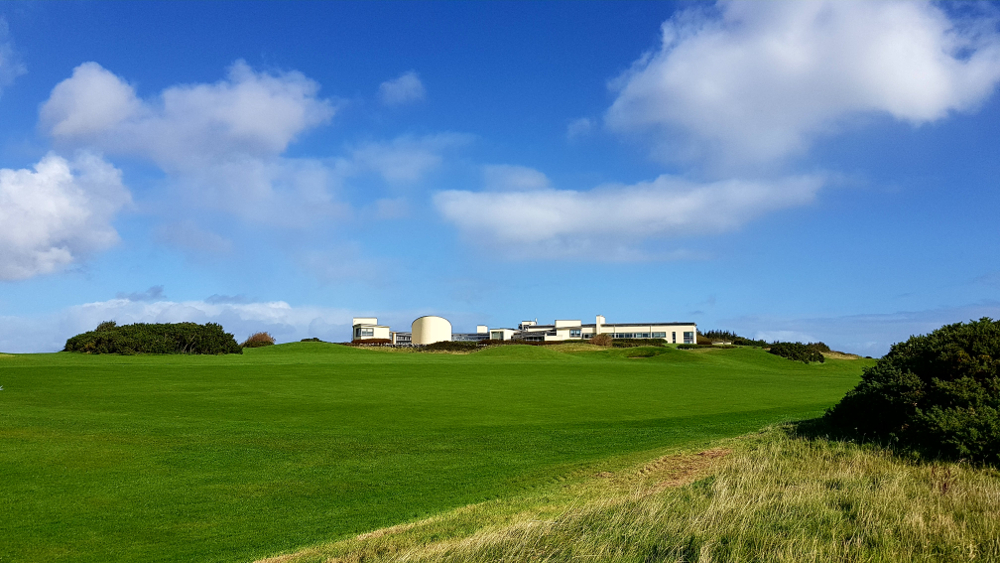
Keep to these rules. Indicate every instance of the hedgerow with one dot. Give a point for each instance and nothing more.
(805, 353)
(938, 393)
(166, 338)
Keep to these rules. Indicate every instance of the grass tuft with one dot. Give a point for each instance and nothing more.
(258, 340)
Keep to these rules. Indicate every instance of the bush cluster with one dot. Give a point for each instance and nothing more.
(805, 353)
(736, 339)
(142, 338)
(258, 339)
(938, 393)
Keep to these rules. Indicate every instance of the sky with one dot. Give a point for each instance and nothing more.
(785, 170)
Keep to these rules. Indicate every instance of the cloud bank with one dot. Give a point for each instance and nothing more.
(58, 212)
(755, 82)
(606, 223)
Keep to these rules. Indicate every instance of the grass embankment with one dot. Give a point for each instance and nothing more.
(230, 458)
(767, 497)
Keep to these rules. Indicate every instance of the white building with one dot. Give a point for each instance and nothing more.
(431, 329)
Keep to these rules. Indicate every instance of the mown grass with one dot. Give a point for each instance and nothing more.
(774, 496)
(230, 458)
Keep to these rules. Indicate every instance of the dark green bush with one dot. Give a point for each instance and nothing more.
(799, 352)
(938, 393)
(728, 336)
(141, 338)
(637, 342)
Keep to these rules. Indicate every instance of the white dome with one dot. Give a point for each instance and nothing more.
(428, 330)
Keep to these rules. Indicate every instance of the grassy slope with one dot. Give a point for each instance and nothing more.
(231, 458)
(773, 496)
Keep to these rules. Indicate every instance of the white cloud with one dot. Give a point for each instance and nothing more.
(249, 113)
(220, 143)
(579, 127)
(505, 177)
(754, 82)
(404, 160)
(11, 65)
(405, 89)
(57, 213)
(611, 222)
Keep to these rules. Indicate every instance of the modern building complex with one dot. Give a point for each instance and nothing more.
(431, 329)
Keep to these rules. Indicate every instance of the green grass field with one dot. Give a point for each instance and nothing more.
(230, 458)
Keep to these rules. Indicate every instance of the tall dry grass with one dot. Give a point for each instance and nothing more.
(769, 497)
(258, 339)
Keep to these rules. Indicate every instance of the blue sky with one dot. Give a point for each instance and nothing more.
(806, 171)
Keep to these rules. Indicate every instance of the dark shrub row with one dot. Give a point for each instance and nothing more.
(799, 352)
(637, 342)
(141, 338)
(451, 347)
(727, 336)
(938, 393)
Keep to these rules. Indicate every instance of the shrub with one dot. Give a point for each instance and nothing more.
(938, 393)
(141, 338)
(799, 352)
(313, 339)
(258, 339)
(602, 340)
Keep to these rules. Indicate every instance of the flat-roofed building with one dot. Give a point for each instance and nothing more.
(673, 332)
(367, 328)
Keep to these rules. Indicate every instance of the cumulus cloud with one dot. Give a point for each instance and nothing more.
(285, 322)
(55, 214)
(506, 177)
(754, 82)
(11, 65)
(610, 222)
(248, 113)
(222, 143)
(405, 89)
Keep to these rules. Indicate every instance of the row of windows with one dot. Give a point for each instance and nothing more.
(363, 332)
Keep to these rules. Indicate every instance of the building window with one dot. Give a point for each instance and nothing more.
(496, 335)
(574, 333)
(659, 335)
(363, 332)
(673, 337)
(689, 338)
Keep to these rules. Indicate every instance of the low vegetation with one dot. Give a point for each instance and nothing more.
(141, 338)
(937, 394)
(781, 495)
(236, 457)
(799, 352)
(257, 340)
